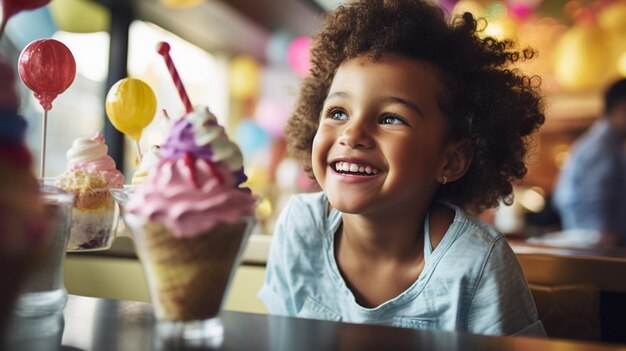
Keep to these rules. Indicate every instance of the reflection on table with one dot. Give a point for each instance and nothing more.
(102, 324)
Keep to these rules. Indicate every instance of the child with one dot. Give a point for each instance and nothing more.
(406, 121)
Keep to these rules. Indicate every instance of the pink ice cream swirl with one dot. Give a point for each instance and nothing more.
(90, 155)
(190, 197)
(194, 188)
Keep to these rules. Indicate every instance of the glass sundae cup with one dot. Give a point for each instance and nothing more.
(189, 278)
(122, 196)
(190, 221)
(95, 215)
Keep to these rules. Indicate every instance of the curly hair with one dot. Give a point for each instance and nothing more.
(490, 104)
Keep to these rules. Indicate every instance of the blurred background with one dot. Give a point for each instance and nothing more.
(245, 60)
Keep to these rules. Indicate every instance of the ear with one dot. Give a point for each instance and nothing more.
(458, 160)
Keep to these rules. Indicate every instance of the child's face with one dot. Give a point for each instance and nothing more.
(382, 127)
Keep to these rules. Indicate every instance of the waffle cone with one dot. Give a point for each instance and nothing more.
(190, 275)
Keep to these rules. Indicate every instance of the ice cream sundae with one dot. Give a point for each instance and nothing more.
(190, 219)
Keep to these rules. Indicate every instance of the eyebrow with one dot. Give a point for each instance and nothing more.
(336, 94)
(405, 102)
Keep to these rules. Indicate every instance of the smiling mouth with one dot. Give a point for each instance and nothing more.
(354, 169)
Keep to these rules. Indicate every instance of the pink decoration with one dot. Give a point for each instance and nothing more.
(272, 114)
(13, 7)
(47, 67)
(163, 49)
(298, 55)
(447, 5)
(520, 11)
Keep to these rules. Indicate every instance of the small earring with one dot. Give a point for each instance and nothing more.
(444, 180)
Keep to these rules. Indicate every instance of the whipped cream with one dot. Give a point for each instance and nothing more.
(199, 134)
(150, 159)
(90, 155)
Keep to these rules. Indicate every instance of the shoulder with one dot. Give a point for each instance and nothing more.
(491, 252)
(471, 231)
(592, 162)
(596, 144)
(310, 200)
(475, 245)
(496, 295)
(303, 220)
(305, 210)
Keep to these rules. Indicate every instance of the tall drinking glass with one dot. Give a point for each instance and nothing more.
(43, 293)
(37, 334)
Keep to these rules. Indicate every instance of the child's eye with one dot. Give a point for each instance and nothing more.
(337, 113)
(391, 119)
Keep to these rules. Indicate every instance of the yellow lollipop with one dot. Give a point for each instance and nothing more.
(131, 106)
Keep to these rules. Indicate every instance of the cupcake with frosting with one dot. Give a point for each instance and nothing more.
(91, 174)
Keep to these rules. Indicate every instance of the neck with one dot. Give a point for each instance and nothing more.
(389, 238)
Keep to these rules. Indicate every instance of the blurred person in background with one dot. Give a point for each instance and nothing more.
(591, 189)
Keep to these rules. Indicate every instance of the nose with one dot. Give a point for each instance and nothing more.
(355, 135)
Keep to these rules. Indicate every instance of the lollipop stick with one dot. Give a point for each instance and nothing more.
(139, 155)
(44, 132)
(163, 49)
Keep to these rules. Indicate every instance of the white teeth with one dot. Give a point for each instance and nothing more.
(355, 168)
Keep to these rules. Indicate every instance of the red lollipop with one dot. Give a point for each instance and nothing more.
(13, 7)
(48, 68)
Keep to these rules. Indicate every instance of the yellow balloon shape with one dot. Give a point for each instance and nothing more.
(80, 16)
(613, 18)
(581, 60)
(245, 77)
(130, 105)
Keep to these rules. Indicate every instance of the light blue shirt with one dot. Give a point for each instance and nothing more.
(591, 190)
(471, 282)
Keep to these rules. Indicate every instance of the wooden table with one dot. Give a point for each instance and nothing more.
(542, 264)
(603, 267)
(103, 324)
